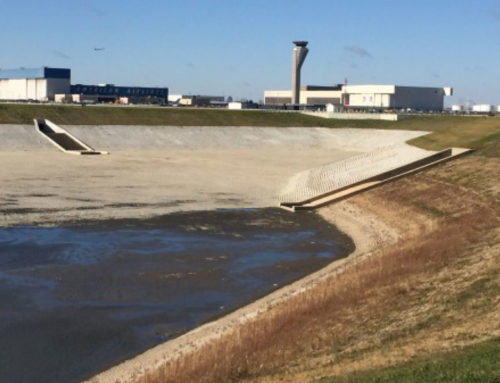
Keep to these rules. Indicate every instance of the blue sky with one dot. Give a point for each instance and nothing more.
(240, 48)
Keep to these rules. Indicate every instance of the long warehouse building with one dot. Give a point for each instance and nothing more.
(49, 84)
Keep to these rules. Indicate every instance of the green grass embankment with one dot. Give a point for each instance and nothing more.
(479, 363)
(110, 115)
(467, 132)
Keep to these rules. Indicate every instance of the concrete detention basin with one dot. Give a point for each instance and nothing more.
(70, 281)
(77, 299)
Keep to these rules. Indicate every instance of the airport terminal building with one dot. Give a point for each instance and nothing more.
(365, 97)
(122, 94)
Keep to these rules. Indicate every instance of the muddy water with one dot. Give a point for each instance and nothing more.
(78, 299)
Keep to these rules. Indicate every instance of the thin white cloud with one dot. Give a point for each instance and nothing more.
(358, 51)
(92, 9)
(61, 55)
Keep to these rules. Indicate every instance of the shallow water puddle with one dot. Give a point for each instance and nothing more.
(77, 299)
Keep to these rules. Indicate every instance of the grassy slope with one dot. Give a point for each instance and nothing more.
(102, 115)
(479, 363)
(469, 132)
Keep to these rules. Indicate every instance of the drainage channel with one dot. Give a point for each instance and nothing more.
(62, 139)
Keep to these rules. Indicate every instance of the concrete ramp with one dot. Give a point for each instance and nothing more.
(62, 139)
(368, 182)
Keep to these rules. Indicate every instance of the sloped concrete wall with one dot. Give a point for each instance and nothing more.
(22, 137)
(314, 182)
(116, 137)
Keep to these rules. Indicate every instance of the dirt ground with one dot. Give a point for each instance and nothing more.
(46, 187)
(160, 170)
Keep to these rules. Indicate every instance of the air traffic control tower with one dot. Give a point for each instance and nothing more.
(298, 58)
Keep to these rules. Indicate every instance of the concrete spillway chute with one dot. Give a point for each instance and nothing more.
(62, 139)
(298, 57)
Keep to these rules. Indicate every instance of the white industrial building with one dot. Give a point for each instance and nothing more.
(366, 96)
(239, 105)
(40, 84)
(194, 100)
(309, 95)
(482, 108)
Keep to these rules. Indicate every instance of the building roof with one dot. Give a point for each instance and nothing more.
(321, 87)
(301, 43)
(43, 72)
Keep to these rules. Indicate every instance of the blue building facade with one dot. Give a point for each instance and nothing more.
(120, 91)
(34, 73)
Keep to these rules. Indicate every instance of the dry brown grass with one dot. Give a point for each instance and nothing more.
(434, 289)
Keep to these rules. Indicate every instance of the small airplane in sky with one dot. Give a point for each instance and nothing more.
(99, 49)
